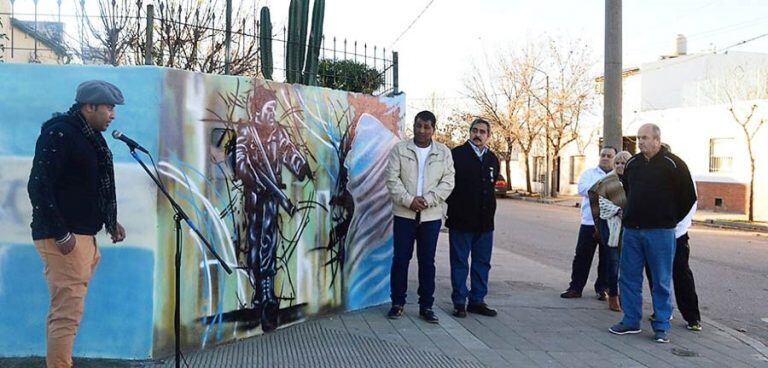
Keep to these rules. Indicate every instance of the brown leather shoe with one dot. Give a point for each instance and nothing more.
(613, 303)
(570, 294)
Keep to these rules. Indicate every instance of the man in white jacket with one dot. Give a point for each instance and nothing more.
(588, 241)
(420, 177)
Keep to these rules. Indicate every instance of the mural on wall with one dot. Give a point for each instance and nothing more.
(290, 188)
(285, 181)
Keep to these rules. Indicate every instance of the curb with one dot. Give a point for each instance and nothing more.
(536, 199)
(732, 225)
(753, 343)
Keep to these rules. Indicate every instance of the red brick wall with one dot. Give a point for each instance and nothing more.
(734, 196)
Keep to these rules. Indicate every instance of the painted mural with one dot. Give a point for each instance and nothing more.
(285, 181)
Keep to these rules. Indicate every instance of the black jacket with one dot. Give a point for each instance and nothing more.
(472, 204)
(660, 191)
(63, 184)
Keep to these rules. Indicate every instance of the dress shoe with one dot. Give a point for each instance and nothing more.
(459, 310)
(481, 309)
(570, 294)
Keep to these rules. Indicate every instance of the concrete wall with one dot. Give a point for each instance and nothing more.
(330, 257)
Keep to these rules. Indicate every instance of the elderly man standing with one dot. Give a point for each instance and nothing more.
(471, 208)
(660, 193)
(588, 239)
(72, 190)
(420, 177)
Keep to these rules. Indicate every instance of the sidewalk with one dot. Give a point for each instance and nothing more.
(734, 221)
(535, 328)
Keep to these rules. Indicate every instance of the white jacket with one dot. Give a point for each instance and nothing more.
(403, 174)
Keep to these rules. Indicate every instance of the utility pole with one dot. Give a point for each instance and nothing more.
(548, 164)
(228, 38)
(612, 132)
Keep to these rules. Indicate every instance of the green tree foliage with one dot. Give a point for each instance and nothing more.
(349, 75)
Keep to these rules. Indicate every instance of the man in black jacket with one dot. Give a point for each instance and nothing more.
(471, 207)
(72, 191)
(660, 192)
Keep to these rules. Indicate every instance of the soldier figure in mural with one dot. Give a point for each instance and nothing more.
(263, 147)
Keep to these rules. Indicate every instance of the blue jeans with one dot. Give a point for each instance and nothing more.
(479, 245)
(406, 231)
(611, 265)
(582, 261)
(657, 248)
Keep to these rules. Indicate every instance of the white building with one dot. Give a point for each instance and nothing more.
(688, 97)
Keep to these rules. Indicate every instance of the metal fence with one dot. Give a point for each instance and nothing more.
(185, 38)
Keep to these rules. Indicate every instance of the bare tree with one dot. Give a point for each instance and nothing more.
(566, 94)
(739, 89)
(500, 93)
(115, 30)
(190, 35)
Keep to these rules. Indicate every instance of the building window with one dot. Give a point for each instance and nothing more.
(538, 169)
(577, 166)
(721, 155)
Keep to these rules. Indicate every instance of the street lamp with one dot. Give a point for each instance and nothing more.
(547, 187)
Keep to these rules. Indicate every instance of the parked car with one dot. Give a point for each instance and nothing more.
(501, 187)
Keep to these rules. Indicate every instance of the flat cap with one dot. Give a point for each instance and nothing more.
(99, 92)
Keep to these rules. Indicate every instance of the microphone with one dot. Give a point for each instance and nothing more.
(130, 142)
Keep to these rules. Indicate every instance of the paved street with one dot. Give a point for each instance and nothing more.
(730, 267)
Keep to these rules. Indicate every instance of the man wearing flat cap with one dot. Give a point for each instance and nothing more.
(72, 190)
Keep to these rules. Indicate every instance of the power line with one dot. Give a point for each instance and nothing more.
(413, 22)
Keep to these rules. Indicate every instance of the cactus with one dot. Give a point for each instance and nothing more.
(265, 35)
(297, 36)
(315, 40)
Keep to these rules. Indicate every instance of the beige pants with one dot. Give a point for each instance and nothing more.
(67, 277)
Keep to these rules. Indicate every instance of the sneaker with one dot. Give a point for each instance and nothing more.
(395, 312)
(459, 310)
(481, 309)
(570, 294)
(428, 315)
(695, 326)
(602, 296)
(661, 337)
(621, 329)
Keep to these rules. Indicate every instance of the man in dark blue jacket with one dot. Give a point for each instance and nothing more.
(72, 191)
(660, 192)
(471, 208)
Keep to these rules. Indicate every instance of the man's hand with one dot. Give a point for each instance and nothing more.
(418, 204)
(119, 234)
(66, 244)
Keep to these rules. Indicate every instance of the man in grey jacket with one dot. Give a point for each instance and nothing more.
(420, 177)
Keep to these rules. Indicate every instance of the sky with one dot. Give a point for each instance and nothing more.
(438, 49)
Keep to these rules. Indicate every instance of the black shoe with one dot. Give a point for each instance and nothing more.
(481, 309)
(428, 315)
(395, 312)
(570, 294)
(602, 296)
(459, 310)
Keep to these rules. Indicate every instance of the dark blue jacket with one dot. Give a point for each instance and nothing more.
(472, 204)
(660, 191)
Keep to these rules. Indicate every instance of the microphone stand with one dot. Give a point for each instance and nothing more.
(178, 216)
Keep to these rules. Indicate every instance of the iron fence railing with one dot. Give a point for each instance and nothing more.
(185, 40)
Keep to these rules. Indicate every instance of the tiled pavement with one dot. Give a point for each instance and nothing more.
(535, 328)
